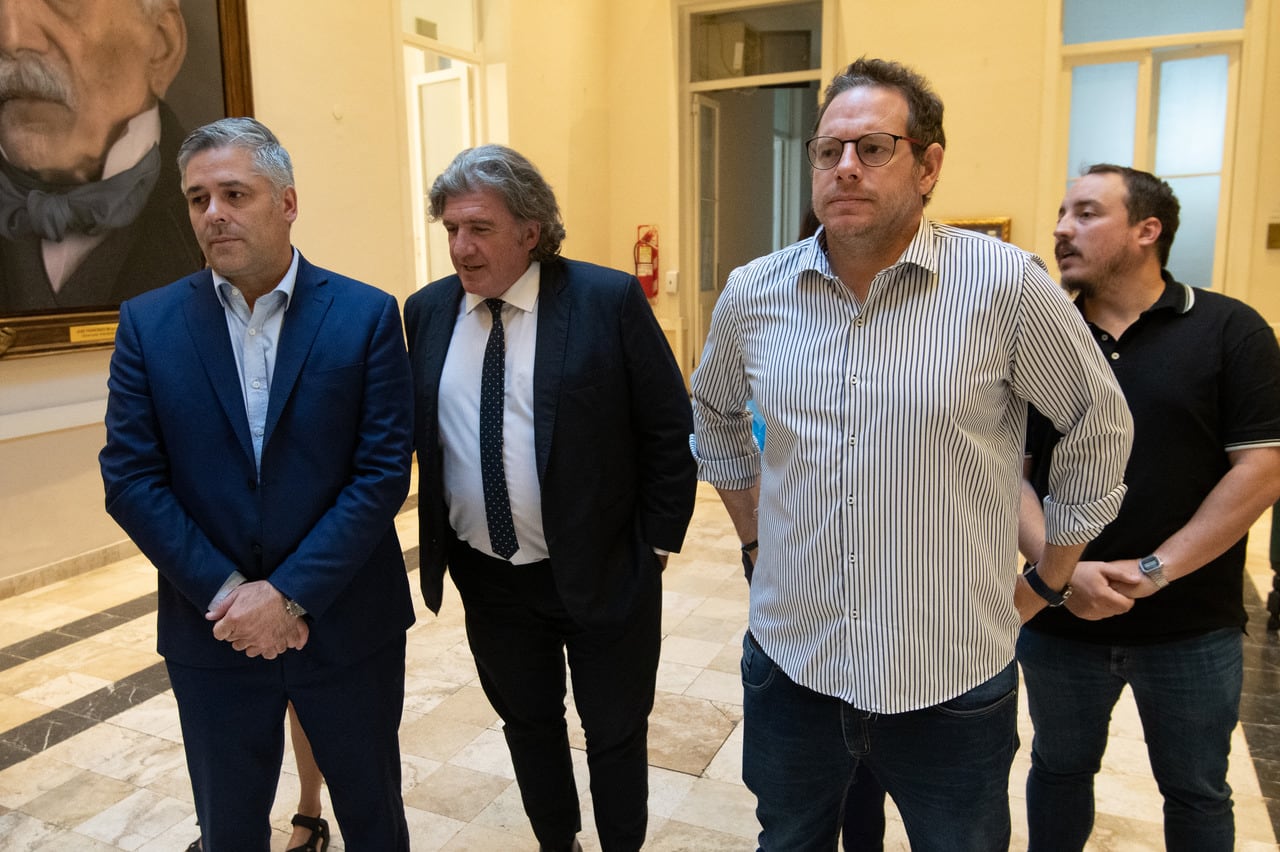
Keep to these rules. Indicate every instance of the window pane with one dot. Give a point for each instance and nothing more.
(1193, 115)
(760, 40)
(1105, 20)
(1104, 108)
(1191, 260)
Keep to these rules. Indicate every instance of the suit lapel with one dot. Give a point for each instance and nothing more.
(433, 341)
(548, 360)
(302, 320)
(207, 325)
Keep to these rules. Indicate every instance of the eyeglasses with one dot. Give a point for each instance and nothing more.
(874, 149)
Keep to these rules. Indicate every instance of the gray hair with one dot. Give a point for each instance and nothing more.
(270, 159)
(516, 180)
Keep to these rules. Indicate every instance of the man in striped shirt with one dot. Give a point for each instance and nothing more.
(892, 359)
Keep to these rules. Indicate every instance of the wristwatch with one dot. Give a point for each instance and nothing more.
(1153, 568)
(294, 608)
(1041, 588)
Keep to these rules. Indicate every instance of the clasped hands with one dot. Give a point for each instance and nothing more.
(1104, 589)
(253, 619)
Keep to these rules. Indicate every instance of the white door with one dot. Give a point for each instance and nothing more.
(440, 112)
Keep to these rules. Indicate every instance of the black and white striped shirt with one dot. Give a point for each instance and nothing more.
(892, 463)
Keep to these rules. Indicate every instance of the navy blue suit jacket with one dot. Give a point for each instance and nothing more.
(611, 433)
(318, 520)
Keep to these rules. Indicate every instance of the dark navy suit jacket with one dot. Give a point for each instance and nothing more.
(318, 521)
(611, 433)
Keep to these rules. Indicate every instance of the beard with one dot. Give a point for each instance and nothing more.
(1104, 276)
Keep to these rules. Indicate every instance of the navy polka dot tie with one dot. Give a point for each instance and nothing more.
(497, 503)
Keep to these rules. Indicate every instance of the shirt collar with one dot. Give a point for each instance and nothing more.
(523, 294)
(140, 136)
(1177, 297)
(223, 287)
(922, 251)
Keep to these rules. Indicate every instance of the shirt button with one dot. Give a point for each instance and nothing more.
(852, 559)
(853, 439)
(853, 614)
(258, 432)
(257, 384)
(858, 322)
(1105, 337)
(1115, 356)
(252, 332)
(849, 499)
(853, 380)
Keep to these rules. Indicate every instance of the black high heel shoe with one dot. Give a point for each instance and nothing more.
(319, 839)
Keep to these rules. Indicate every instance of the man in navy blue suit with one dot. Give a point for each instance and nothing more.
(259, 442)
(552, 429)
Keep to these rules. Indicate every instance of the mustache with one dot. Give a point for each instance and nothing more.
(29, 77)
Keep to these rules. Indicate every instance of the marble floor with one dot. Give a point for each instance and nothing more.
(91, 759)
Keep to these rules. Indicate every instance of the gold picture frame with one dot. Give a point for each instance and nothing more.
(996, 226)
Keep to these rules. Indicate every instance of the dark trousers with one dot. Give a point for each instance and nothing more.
(863, 826)
(233, 731)
(519, 633)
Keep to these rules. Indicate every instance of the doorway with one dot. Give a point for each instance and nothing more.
(753, 84)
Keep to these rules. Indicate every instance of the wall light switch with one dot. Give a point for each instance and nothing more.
(673, 281)
(1273, 235)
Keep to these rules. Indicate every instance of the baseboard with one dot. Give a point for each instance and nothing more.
(53, 572)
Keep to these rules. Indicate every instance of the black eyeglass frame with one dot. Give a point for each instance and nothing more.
(857, 148)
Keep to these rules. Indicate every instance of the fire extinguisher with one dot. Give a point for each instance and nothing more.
(645, 255)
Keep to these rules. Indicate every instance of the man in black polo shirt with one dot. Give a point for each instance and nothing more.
(1156, 599)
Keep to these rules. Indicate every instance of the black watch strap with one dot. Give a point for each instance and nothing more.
(1041, 588)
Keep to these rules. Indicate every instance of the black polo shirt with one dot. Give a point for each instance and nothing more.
(1201, 373)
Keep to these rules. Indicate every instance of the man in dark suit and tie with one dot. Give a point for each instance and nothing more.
(551, 425)
(259, 444)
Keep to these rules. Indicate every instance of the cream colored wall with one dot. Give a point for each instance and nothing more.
(986, 62)
(326, 80)
(1262, 265)
(560, 113)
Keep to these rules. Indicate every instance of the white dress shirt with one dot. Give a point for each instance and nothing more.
(459, 413)
(255, 340)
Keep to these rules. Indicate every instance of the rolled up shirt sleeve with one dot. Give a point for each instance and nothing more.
(1059, 369)
(723, 443)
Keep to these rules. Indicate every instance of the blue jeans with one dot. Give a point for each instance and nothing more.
(1188, 696)
(946, 767)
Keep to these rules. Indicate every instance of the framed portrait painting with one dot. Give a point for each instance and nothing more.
(91, 118)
